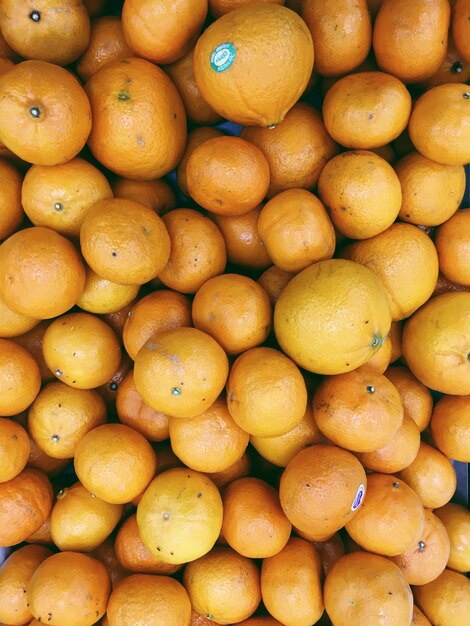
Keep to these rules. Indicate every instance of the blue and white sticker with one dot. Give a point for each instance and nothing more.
(223, 57)
(358, 498)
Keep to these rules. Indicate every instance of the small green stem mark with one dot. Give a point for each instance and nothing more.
(35, 112)
(377, 341)
(176, 391)
(370, 389)
(55, 438)
(35, 16)
(123, 95)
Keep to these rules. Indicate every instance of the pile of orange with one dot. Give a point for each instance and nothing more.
(234, 312)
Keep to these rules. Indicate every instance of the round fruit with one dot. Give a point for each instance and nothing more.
(139, 121)
(102, 296)
(366, 110)
(196, 137)
(11, 210)
(416, 398)
(450, 427)
(235, 69)
(14, 449)
(41, 273)
(223, 585)
(180, 515)
(392, 519)
(456, 519)
(69, 588)
(360, 586)
(20, 379)
(37, 125)
(191, 369)
(321, 489)
(453, 248)
(439, 125)
(332, 316)
(460, 28)
(290, 584)
(155, 194)
(436, 343)
(445, 600)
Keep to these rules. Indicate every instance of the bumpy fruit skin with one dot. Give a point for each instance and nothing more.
(332, 316)
(263, 68)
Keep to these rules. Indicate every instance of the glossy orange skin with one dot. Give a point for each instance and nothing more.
(273, 281)
(14, 449)
(461, 28)
(450, 427)
(453, 248)
(154, 194)
(221, 7)
(136, 133)
(32, 341)
(198, 135)
(416, 397)
(106, 44)
(11, 210)
(456, 519)
(445, 600)
(25, 503)
(46, 115)
(20, 379)
(42, 274)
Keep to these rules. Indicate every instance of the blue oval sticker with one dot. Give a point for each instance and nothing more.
(223, 57)
(359, 497)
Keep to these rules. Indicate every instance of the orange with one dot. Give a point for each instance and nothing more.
(134, 556)
(49, 465)
(242, 239)
(5, 50)
(432, 192)
(416, 397)
(223, 585)
(154, 194)
(81, 350)
(106, 44)
(405, 259)
(241, 81)
(41, 273)
(180, 515)
(410, 39)
(297, 149)
(366, 110)
(154, 313)
(117, 320)
(452, 244)
(162, 33)
(108, 391)
(196, 137)
(69, 588)
(20, 379)
(124, 241)
(105, 553)
(330, 551)
(454, 69)
(361, 192)
(392, 519)
(266, 393)
(445, 600)
(450, 427)
(150, 600)
(362, 587)
(432, 476)
(425, 561)
(234, 310)
(273, 281)
(221, 7)
(14, 449)
(460, 28)
(290, 584)
(139, 122)
(103, 296)
(239, 469)
(132, 411)
(32, 341)
(59, 196)
(254, 621)
(332, 316)
(395, 339)
(282, 449)
(456, 519)
(115, 463)
(341, 33)
(252, 511)
(15, 575)
(227, 175)
(25, 503)
(321, 488)
(296, 230)
(438, 125)
(182, 74)
(80, 521)
(360, 410)
(43, 30)
(436, 343)
(197, 250)
(398, 453)
(45, 113)
(380, 360)
(419, 618)
(191, 369)
(11, 210)
(210, 442)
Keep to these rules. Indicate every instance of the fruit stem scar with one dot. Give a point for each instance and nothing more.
(35, 16)
(457, 67)
(176, 391)
(58, 206)
(376, 341)
(466, 95)
(55, 437)
(370, 389)
(166, 515)
(35, 112)
(123, 95)
(58, 372)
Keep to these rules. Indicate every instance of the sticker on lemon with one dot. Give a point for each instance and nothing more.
(223, 57)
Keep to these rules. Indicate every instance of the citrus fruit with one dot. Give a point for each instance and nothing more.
(416, 397)
(155, 194)
(196, 137)
(445, 600)
(450, 427)
(273, 281)
(11, 210)
(102, 296)
(20, 379)
(456, 519)
(452, 247)
(14, 449)
(460, 28)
